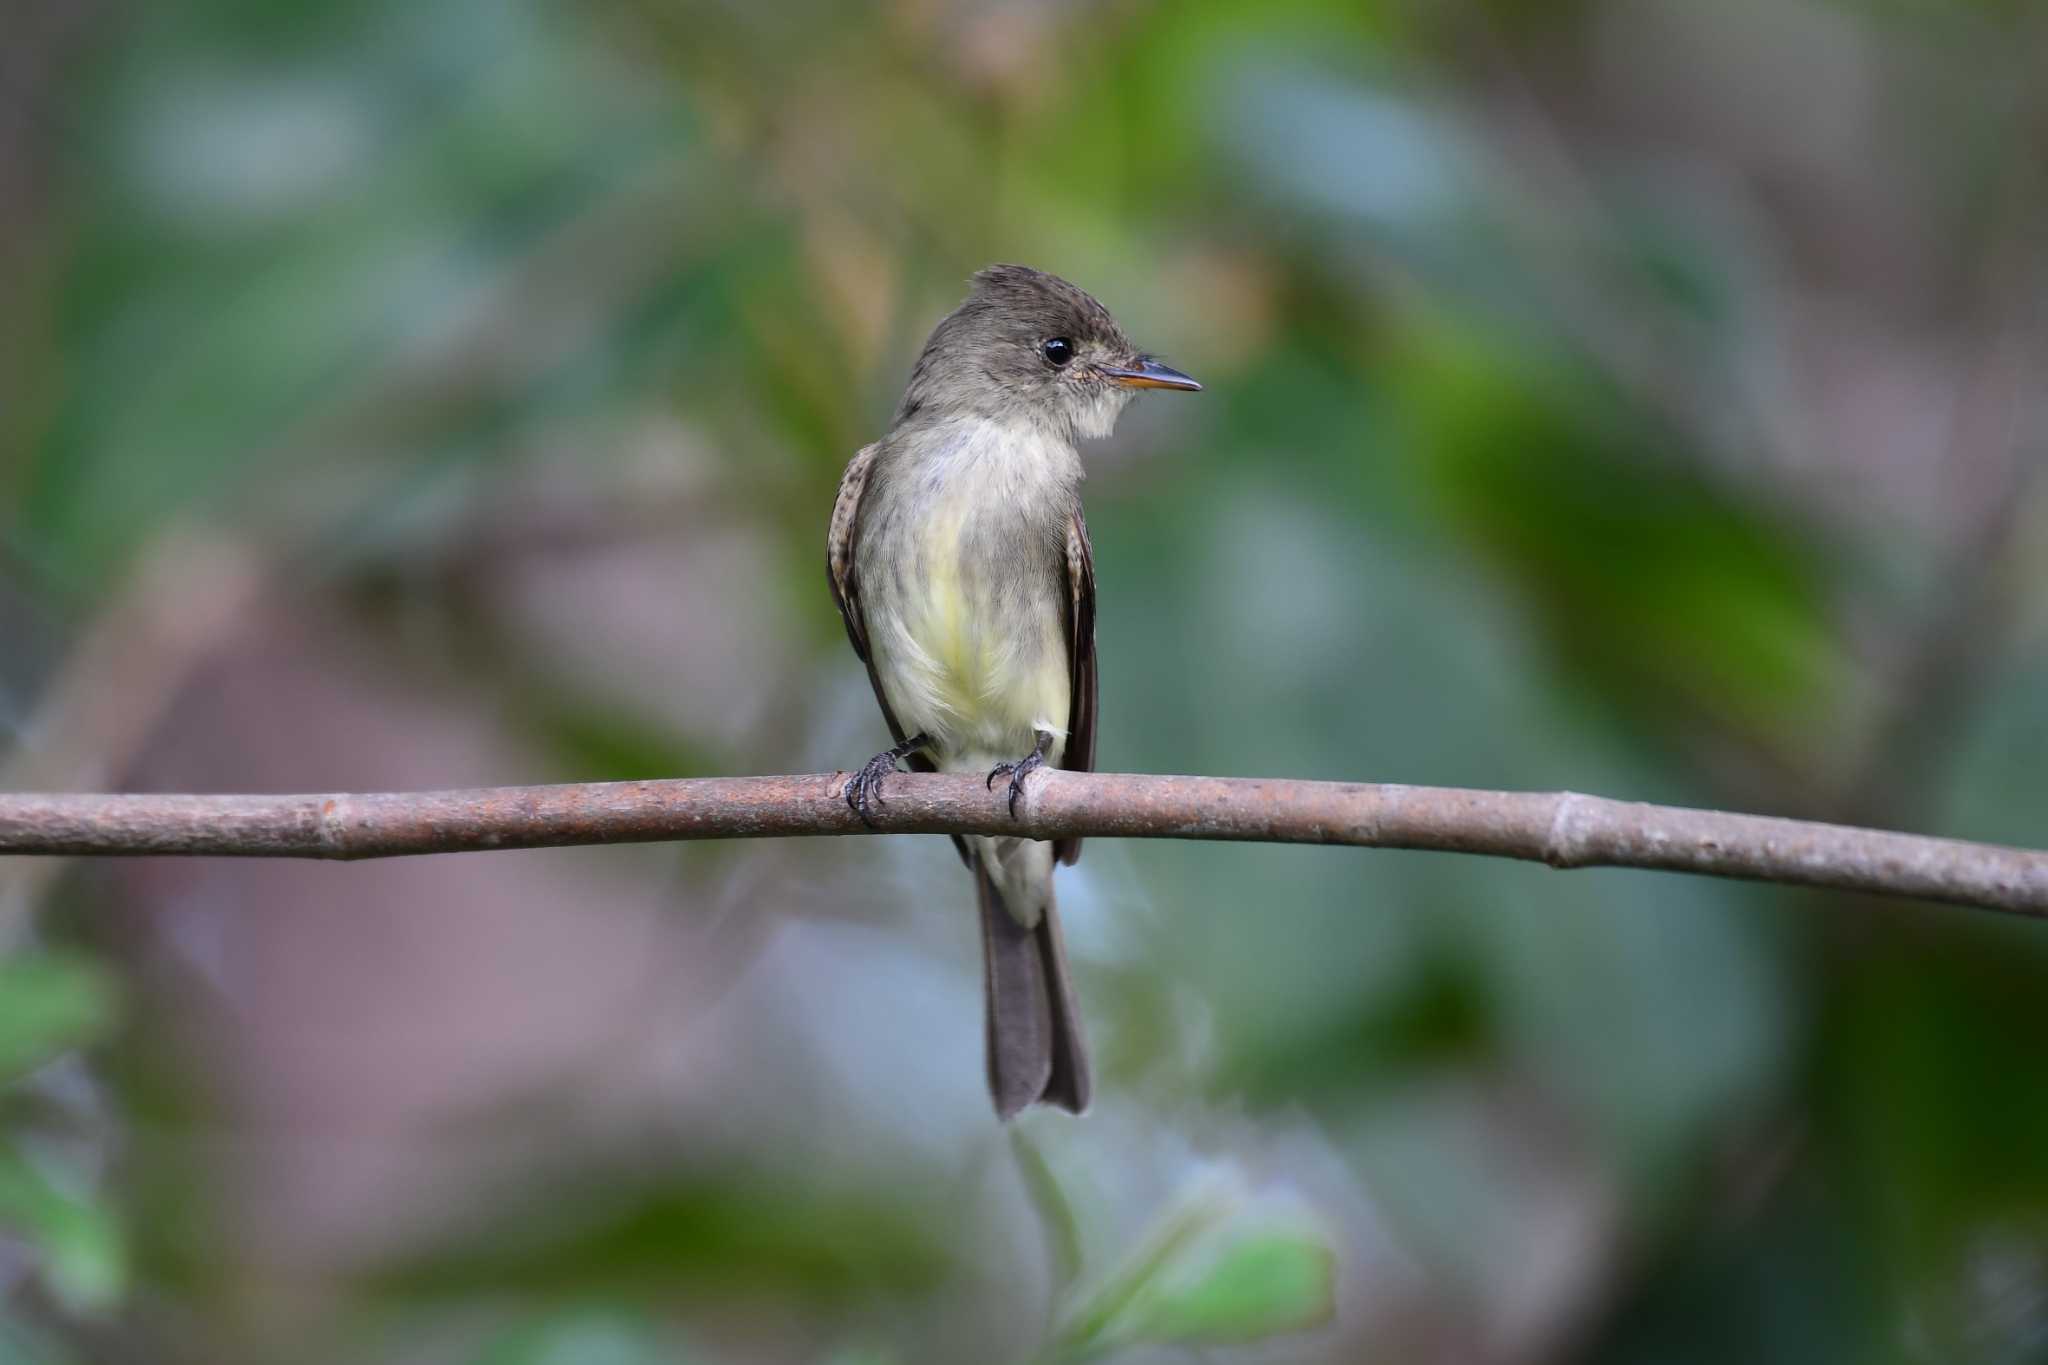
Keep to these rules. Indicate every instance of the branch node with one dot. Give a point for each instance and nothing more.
(1564, 846)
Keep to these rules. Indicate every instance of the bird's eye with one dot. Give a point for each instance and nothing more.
(1058, 351)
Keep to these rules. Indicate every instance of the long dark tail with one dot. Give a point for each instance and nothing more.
(1035, 1051)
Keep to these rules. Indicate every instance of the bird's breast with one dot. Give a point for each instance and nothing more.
(974, 646)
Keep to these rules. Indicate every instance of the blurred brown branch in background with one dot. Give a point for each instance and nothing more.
(1562, 829)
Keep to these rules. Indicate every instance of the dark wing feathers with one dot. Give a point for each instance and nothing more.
(839, 544)
(1081, 706)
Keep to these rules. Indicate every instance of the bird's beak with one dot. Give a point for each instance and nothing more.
(1148, 373)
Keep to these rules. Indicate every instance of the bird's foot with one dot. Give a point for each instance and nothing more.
(864, 787)
(1021, 769)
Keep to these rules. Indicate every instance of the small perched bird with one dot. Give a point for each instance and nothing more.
(960, 560)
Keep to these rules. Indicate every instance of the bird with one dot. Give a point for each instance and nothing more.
(959, 558)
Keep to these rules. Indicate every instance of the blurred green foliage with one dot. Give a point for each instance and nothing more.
(55, 1002)
(1625, 396)
(1205, 1274)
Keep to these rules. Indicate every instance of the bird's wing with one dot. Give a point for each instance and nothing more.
(839, 570)
(839, 567)
(839, 543)
(1080, 751)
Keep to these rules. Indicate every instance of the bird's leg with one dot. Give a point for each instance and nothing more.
(864, 788)
(1022, 769)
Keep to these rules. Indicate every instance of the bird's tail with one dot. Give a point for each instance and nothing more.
(1035, 1051)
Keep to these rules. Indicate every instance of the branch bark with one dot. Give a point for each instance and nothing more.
(1562, 829)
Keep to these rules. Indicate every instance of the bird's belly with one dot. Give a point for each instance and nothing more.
(978, 657)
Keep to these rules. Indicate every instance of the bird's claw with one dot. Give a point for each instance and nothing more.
(864, 788)
(1016, 772)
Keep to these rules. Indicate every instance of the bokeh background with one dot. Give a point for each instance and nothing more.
(1635, 397)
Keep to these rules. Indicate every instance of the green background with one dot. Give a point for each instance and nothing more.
(1637, 398)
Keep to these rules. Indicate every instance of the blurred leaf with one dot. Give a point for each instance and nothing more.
(1056, 1214)
(1264, 1283)
(1212, 1270)
(1093, 1322)
(84, 1256)
(49, 1003)
(713, 1235)
(1668, 592)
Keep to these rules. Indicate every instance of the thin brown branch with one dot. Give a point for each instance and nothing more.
(1562, 829)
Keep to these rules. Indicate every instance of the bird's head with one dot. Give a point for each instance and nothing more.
(1030, 347)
